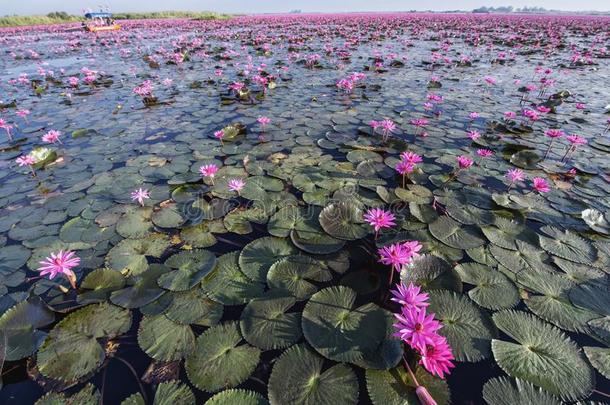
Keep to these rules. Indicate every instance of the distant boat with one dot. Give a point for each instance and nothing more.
(100, 22)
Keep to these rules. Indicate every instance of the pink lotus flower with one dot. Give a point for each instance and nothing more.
(73, 81)
(264, 121)
(60, 263)
(416, 328)
(219, 135)
(51, 137)
(378, 219)
(515, 175)
(167, 82)
(404, 168)
(23, 113)
(490, 80)
(510, 115)
(387, 127)
(473, 115)
(576, 140)
(580, 106)
(410, 296)
(411, 157)
(484, 153)
(395, 255)
(5, 125)
(208, 171)
(437, 357)
(464, 162)
(236, 185)
(540, 185)
(474, 135)
(140, 195)
(27, 160)
(543, 109)
(554, 133)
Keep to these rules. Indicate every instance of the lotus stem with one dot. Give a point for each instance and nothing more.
(135, 374)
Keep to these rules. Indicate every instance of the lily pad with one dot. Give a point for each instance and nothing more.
(237, 396)
(337, 329)
(297, 378)
(468, 329)
(71, 351)
(456, 235)
(191, 267)
(493, 289)
(508, 391)
(227, 284)
(257, 257)
(543, 355)
(267, 324)
(396, 387)
(165, 340)
(343, 220)
(219, 360)
(296, 275)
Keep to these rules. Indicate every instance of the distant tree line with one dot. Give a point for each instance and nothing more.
(509, 9)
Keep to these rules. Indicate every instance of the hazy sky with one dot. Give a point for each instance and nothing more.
(274, 6)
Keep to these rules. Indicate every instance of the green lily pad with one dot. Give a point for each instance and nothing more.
(343, 220)
(191, 267)
(396, 387)
(337, 329)
(431, 272)
(219, 361)
(257, 257)
(568, 245)
(456, 235)
(296, 274)
(267, 324)
(237, 396)
(135, 223)
(227, 284)
(297, 378)
(493, 289)
(89, 395)
(19, 328)
(140, 290)
(468, 329)
(599, 357)
(71, 351)
(168, 216)
(129, 255)
(193, 307)
(100, 283)
(508, 391)
(543, 355)
(165, 340)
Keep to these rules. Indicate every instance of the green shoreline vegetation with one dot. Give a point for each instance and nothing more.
(61, 17)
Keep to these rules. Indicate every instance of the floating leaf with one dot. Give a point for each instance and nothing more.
(599, 357)
(343, 220)
(338, 330)
(100, 283)
(193, 307)
(297, 378)
(267, 324)
(508, 391)
(257, 257)
(396, 387)
(89, 395)
(493, 289)
(236, 396)
(141, 290)
(543, 355)
(169, 216)
(468, 329)
(431, 272)
(454, 234)
(568, 245)
(191, 267)
(135, 223)
(293, 274)
(19, 334)
(129, 255)
(165, 340)
(227, 284)
(71, 350)
(219, 361)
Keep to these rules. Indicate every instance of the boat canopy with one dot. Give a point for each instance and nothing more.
(98, 15)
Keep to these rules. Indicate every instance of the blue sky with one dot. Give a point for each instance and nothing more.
(274, 6)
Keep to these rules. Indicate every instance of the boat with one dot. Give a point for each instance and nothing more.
(99, 22)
